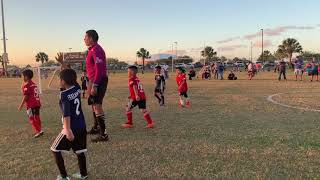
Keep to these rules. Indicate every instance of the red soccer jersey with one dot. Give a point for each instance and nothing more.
(135, 81)
(30, 89)
(180, 79)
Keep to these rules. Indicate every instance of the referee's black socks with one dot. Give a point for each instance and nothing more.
(101, 122)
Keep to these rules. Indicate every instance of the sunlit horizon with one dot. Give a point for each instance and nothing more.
(51, 27)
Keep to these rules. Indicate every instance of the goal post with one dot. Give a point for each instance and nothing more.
(45, 77)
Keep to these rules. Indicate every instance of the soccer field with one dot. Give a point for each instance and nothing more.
(231, 131)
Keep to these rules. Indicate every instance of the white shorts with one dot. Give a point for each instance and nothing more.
(298, 71)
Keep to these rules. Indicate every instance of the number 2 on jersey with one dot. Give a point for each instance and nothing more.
(77, 102)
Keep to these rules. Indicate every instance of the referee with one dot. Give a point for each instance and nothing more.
(96, 66)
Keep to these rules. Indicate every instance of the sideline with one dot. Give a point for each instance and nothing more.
(270, 99)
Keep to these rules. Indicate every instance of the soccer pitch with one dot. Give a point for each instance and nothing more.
(231, 131)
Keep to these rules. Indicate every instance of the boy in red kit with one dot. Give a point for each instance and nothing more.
(137, 98)
(32, 100)
(182, 87)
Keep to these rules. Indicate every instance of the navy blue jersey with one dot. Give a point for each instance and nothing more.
(70, 105)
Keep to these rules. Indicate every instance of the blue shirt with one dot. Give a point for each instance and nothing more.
(70, 105)
(298, 64)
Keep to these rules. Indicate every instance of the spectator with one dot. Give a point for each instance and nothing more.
(232, 76)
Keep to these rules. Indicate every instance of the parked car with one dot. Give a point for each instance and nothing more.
(229, 64)
(198, 65)
(180, 65)
(190, 65)
(239, 64)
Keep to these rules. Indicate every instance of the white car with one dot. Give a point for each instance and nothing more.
(239, 64)
(189, 65)
(180, 65)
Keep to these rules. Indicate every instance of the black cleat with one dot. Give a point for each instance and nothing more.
(98, 139)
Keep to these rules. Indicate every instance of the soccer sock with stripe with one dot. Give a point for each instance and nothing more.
(60, 163)
(129, 117)
(38, 122)
(102, 125)
(147, 117)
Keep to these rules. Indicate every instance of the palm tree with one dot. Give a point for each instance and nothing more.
(42, 57)
(143, 54)
(290, 46)
(208, 53)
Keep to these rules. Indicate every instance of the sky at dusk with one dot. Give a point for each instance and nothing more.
(124, 26)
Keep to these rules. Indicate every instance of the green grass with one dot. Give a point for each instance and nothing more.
(230, 132)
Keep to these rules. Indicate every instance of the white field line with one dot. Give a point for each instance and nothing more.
(270, 99)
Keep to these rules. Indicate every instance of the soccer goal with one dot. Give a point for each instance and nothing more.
(46, 78)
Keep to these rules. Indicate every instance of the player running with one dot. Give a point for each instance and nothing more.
(182, 87)
(31, 99)
(73, 135)
(160, 85)
(137, 98)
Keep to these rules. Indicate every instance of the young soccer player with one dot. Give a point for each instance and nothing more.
(160, 85)
(73, 135)
(32, 101)
(182, 87)
(84, 83)
(137, 98)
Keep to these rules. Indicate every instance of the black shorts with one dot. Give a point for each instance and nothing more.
(33, 111)
(183, 94)
(101, 92)
(158, 90)
(141, 104)
(84, 87)
(78, 145)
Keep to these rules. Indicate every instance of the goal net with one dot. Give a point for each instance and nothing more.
(46, 78)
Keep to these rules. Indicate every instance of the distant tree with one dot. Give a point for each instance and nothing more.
(208, 53)
(236, 59)
(223, 59)
(306, 55)
(42, 57)
(50, 63)
(290, 46)
(267, 56)
(279, 54)
(143, 54)
(184, 59)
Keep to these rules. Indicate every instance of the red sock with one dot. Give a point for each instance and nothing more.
(129, 117)
(32, 122)
(38, 123)
(147, 117)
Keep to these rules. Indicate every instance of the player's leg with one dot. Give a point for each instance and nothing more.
(32, 120)
(146, 114)
(187, 99)
(162, 98)
(156, 94)
(129, 108)
(100, 115)
(60, 144)
(181, 99)
(79, 146)
(37, 121)
(95, 128)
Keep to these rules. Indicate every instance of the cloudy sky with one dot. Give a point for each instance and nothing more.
(127, 25)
